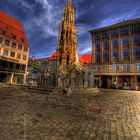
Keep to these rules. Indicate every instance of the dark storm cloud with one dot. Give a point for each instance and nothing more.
(41, 19)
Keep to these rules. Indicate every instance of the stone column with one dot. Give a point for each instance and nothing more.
(131, 54)
(11, 78)
(120, 48)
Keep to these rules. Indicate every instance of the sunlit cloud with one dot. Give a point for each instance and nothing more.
(42, 18)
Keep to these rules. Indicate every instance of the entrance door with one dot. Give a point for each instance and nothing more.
(126, 82)
(104, 82)
(3, 77)
(138, 81)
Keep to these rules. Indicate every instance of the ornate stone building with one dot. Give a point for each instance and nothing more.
(69, 71)
(67, 40)
(67, 56)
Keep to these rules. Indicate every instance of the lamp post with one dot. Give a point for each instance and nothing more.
(136, 84)
(116, 77)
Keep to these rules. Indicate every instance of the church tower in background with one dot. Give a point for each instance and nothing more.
(67, 41)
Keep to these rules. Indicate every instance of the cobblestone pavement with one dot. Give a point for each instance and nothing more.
(113, 115)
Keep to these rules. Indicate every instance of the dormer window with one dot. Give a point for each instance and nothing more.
(13, 36)
(4, 32)
(22, 40)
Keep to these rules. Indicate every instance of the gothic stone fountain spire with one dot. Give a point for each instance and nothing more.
(67, 40)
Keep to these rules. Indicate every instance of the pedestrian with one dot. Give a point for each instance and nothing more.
(30, 83)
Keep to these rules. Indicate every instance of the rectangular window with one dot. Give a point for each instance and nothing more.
(1, 39)
(106, 44)
(135, 28)
(25, 49)
(136, 39)
(97, 56)
(18, 66)
(106, 56)
(126, 67)
(13, 36)
(13, 45)
(137, 67)
(22, 40)
(105, 34)
(5, 52)
(124, 30)
(23, 67)
(4, 32)
(125, 53)
(115, 54)
(97, 45)
(115, 42)
(12, 54)
(137, 52)
(19, 47)
(97, 35)
(125, 41)
(7, 42)
(24, 57)
(115, 32)
(115, 67)
(19, 56)
(97, 68)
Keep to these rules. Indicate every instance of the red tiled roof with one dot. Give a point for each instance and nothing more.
(53, 56)
(85, 58)
(82, 59)
(12, 26)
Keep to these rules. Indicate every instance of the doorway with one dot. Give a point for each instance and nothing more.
(3, 77)
(104, 82)
(126, 82)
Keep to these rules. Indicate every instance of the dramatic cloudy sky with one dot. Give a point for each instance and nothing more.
(41, 19)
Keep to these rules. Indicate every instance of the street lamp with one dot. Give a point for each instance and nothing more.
(136, 84)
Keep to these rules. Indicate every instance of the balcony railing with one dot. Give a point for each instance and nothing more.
(126, 70)
(11, 70)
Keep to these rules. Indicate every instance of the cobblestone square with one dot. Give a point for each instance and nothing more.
(27, 115)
